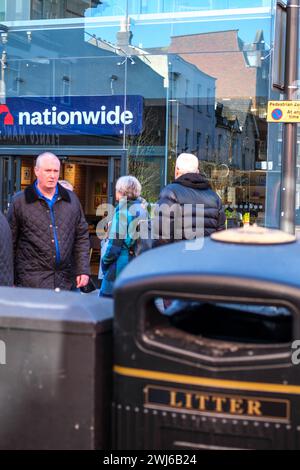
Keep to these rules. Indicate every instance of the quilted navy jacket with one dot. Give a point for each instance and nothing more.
(6, 253)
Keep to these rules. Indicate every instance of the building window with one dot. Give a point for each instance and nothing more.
(65, 85)
(47, 9)
(187, 90)
(13, 86)
(234, 149)
(66, 95)
(174, 83)
(144, 7)
(36, 9)
(177, 135)
(219, 145)
(199, 89)
(207, 141)
(187, 139)
(208, 101)
(198, 143)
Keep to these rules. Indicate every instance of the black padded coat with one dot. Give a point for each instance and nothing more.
(193, 204)
(34, 245)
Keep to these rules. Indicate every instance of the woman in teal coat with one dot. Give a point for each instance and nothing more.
(122, 233)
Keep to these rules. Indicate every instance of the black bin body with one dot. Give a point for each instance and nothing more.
(178, 388)
(55, 388)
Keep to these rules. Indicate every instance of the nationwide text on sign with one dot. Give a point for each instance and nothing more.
(79, 115)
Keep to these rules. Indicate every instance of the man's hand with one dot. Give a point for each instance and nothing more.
(82, 280)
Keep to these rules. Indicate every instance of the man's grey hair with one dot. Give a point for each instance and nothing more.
(43, 155)
(129, 186)
(187, 163)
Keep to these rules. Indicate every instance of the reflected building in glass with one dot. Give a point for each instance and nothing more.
(188, 76)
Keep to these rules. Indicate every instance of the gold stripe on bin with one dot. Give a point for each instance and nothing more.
(207, 382)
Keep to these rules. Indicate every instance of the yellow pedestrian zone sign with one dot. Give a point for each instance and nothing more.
(284, 111)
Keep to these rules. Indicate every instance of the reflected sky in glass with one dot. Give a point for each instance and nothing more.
(136, 7)
(151, 32)
(151, 35)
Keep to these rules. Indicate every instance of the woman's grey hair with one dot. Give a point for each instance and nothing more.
(66, 185)
(129, 186)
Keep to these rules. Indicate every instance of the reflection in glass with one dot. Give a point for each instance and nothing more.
(200, 67)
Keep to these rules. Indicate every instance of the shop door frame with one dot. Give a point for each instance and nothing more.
(13, 179)
(67, 151)
(112, 178)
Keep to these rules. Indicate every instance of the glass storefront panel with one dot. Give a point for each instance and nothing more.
(62, 70)
(147, 151)
(193, 76)
(275, 144)
(217, 93)
(186, 6)
(48, 9)
(17, 10)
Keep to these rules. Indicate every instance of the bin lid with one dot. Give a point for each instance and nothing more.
(278, 263)
(47, 310)
(253, 235)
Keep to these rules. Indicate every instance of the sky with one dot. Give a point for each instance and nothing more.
(117, 7)
(150, 34)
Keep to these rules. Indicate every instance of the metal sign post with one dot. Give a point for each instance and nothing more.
(288, 168)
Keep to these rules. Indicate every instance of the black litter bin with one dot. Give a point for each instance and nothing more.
(214, 371)
(56, 371)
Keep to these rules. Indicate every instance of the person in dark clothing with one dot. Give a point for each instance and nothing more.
(6, 253)
(188, 207)
(49, 231)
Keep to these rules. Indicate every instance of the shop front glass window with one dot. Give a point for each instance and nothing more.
(218, 87)
(54, 9)
(189, 75)
(72, 78)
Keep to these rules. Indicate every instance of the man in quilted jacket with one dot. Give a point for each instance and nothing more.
(6, 254)
(50, 233)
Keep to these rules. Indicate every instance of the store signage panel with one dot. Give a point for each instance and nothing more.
(74, 115)
(284, 111)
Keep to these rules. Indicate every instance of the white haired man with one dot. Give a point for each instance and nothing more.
(188, 206)
(50, 233)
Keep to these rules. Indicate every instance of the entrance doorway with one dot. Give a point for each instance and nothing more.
(10, 179)
(90, 180)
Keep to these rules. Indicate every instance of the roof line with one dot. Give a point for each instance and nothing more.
(209, 32)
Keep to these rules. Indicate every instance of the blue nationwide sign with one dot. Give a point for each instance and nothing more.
(73, 115)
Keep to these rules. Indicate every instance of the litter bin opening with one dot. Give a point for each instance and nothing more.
(242, 323)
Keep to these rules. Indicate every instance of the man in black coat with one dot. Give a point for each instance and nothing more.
(6, 253)
(188, 207)
(50, 233)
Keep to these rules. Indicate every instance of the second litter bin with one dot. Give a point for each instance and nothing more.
(56, 372)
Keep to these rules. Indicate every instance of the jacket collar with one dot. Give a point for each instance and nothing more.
(31, 195)
(193, 180)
